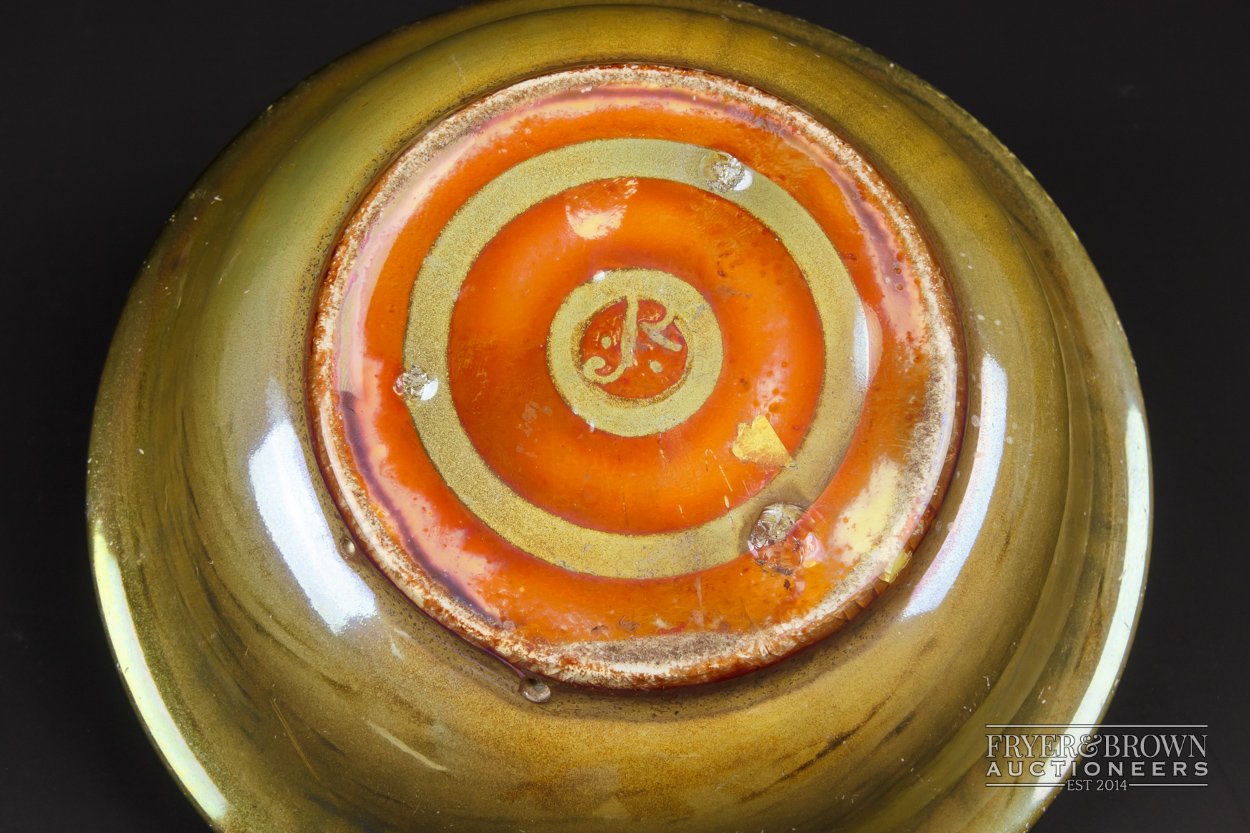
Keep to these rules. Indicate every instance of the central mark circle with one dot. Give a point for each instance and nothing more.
(635, 351)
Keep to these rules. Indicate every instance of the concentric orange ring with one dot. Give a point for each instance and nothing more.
(440, 283)
(809, 561)
(511, 409)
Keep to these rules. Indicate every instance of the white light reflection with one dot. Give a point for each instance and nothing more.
(862, 349)
(962, 532)
(1132, 583)
(147, 697)
(292, 514)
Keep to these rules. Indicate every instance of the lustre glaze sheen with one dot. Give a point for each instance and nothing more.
(603, 538)
(307, 651)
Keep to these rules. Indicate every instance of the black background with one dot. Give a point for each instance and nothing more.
(1133, 115)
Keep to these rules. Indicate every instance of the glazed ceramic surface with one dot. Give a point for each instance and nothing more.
(568, 417)
(623, 361)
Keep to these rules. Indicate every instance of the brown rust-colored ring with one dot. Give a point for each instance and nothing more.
(510, 208)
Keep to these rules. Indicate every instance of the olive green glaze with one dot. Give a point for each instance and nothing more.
(290, 686)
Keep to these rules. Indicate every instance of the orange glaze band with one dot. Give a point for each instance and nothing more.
(543, 604)
(674, 479)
